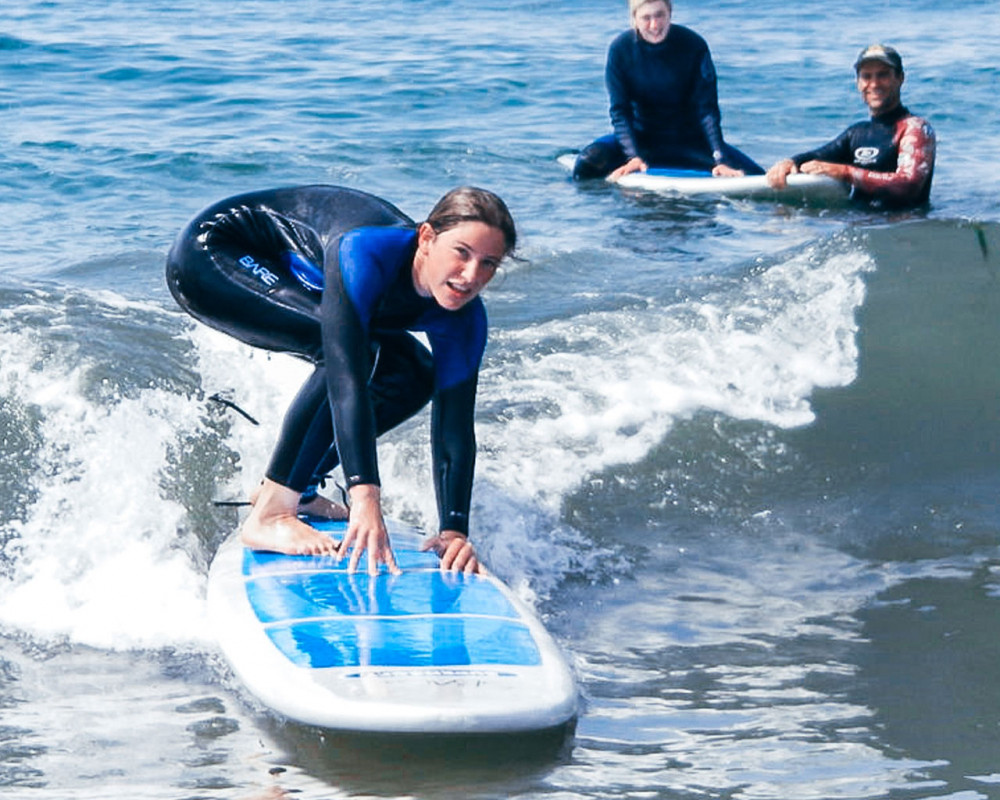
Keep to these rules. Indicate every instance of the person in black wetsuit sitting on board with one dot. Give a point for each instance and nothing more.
(888, 161)
(664, 103)
(343, 279)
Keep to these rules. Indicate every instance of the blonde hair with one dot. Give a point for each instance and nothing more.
(635, 5)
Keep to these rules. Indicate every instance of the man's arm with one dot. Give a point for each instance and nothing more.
(836, 152)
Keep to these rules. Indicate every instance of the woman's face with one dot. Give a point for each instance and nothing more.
(652, 21)
(455, 265)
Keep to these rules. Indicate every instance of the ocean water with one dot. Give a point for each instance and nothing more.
(742, 457)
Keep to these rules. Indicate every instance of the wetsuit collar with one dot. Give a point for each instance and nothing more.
(898, 113)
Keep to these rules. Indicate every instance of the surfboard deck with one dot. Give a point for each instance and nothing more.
(687, 182)
(427, 651)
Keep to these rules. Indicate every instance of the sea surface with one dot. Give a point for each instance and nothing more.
(743, 457)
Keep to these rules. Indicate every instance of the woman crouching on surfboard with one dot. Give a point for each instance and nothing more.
(343, 279)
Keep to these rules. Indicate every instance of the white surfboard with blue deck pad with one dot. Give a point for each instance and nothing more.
(426, 651)
(688, 182)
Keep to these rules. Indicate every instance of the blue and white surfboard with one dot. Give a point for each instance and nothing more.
(426, 651)
(690, 183)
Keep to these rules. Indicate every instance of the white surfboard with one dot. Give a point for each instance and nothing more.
(688, 182)
(423, 652)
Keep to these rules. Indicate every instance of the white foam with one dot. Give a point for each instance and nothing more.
(97, 557)
(609, 386)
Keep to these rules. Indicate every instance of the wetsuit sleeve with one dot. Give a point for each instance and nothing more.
(357, 276)
(454, 452)
(616, 80)
(347, 354)
(705, 98)
(916, 145)
(836, 151)
(458, 343)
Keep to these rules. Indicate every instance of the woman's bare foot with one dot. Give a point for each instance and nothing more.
(274, 525)
(323, 507)
(319, 506)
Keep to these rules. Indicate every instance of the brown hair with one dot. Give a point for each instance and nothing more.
(471, 204)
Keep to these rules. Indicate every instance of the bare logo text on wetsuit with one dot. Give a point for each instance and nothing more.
(264, 275)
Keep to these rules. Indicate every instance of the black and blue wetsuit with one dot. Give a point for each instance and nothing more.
(326, 273)
(664, 108)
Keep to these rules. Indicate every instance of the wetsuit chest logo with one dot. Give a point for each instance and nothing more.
(865, 155)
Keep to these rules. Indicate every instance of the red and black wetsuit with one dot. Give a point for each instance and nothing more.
(891, 159)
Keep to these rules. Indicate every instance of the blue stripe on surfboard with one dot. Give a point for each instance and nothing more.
(257, 563)
(278, 598)
(676, 172)
(406, 550)
(406, 642)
